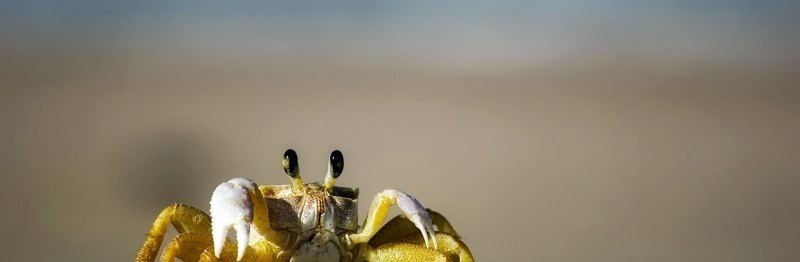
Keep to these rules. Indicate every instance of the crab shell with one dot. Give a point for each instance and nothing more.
(318, 219)
(286, 207)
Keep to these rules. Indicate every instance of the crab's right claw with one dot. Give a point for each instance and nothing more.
(418, 215)
(231, 207)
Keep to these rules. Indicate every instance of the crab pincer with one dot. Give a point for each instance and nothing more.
(411, 208)
(417, 214)
(232, 207)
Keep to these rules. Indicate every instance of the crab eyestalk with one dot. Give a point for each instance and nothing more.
(335, 167)
(292, 168)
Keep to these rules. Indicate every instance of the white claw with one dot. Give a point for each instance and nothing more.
(231, 207)
(242, 237)
(219, 233)
(417, 222)
(417, 214)
(429, 225)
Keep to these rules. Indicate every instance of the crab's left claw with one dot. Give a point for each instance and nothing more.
(231, 207)
(417, 214)
(411, 208)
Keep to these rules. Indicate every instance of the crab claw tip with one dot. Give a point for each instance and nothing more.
(242, 237)
(219, 235)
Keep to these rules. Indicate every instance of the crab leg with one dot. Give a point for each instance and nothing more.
(410, 248)
(187, 247)
(379, 209)
(183, 217)
(393, 237)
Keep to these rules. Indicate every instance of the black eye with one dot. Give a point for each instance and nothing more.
(337, 163)
(290, 165)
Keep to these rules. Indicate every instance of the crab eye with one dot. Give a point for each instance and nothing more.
(337, 163)
(290, 165)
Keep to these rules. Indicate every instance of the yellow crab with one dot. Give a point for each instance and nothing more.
(303, 222)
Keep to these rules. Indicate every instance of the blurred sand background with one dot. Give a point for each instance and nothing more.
(545, 131)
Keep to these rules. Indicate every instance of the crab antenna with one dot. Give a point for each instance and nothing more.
(292, 168)
(335, 167)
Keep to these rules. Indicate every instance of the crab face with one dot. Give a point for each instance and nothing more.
(316, 214)
(289, 205)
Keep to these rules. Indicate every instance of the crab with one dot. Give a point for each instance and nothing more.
(303, 222)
